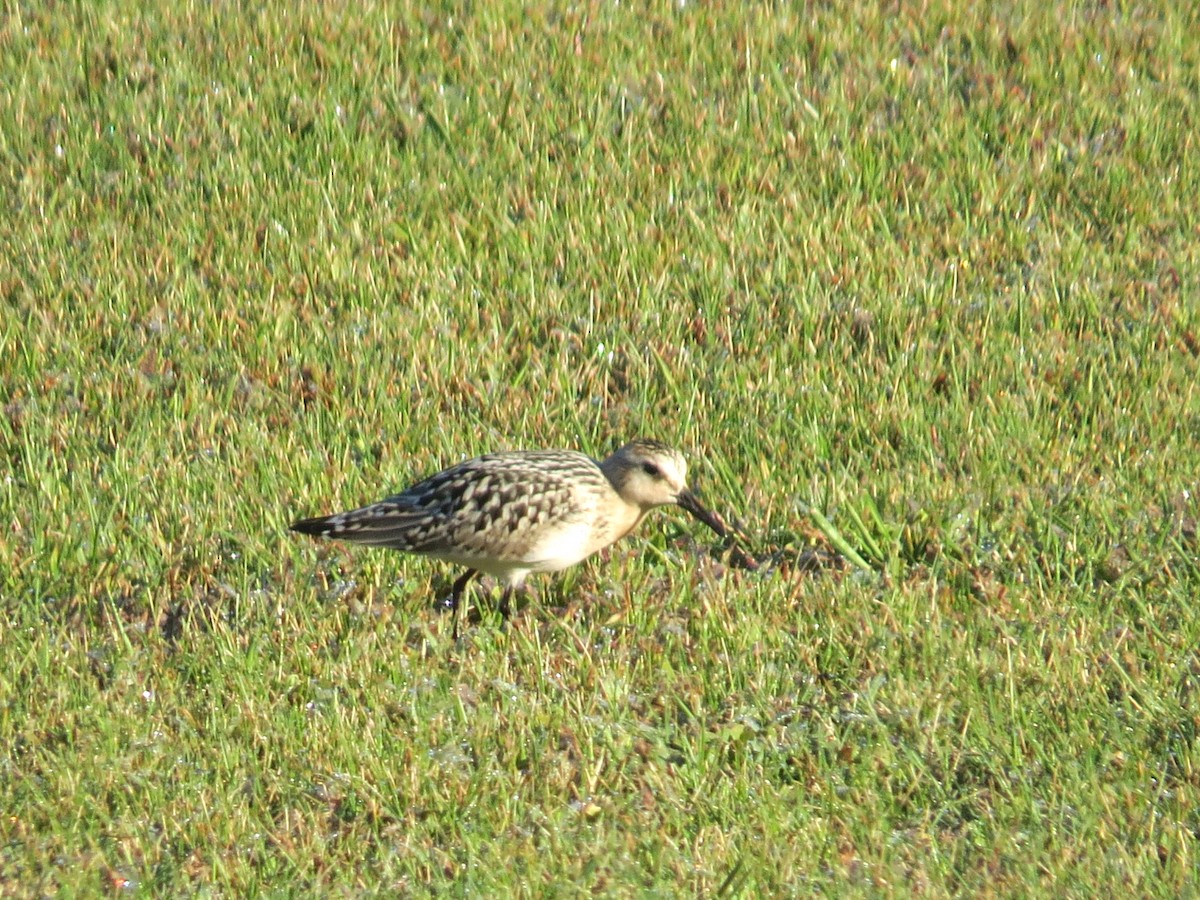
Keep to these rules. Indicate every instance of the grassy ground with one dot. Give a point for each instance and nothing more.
(914, 285)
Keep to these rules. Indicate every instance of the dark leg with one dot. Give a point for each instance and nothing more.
(456, 592)
(505, 598)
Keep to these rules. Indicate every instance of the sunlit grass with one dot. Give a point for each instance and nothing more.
(911, 286)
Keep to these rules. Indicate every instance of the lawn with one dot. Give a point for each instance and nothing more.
(914, 287)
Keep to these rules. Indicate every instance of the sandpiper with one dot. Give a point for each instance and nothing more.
(509, 514)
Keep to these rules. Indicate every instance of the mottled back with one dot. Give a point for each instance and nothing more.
(484, 507)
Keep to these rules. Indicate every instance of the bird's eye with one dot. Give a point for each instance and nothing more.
(650, 469)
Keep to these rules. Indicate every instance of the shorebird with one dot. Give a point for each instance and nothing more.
(510, 514)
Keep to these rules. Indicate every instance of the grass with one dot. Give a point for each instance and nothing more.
(913, 285)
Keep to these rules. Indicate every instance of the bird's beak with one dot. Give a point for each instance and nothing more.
(688, 501)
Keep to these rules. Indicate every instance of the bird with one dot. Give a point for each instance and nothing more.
(513, 513)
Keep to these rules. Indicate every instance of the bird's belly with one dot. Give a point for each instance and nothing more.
(564, 546)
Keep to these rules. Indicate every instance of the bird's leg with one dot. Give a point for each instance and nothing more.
(456, 592)
(505, 598)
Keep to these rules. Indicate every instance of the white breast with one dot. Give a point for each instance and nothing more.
(561, 547)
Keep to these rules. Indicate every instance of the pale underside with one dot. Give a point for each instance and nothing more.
(554, 549)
